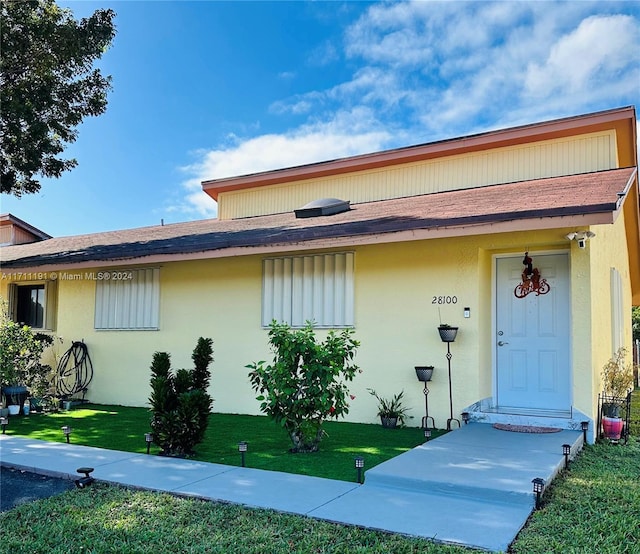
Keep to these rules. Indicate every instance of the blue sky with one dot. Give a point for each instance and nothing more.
(212, 89)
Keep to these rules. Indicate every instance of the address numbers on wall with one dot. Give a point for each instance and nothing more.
(445, 299)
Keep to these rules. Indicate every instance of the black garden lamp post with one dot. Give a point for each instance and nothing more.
(538, 488)
(242, 448)
(359, 463)
(4, 421)
(427, 435)
(148, 438)
(67, 431)
(566, 451)
(465, 417)
(584, 425)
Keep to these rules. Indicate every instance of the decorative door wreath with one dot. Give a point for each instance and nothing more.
(532, 281)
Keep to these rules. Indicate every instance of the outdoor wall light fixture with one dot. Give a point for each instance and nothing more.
(538, 488)
(427, 434)
(4, 421)
(242, 448)
(566, 451)
(359, 463)
(585, 427)
(67, 431)
(148, 437)
(465, 417)
(86, 480)
(581, 237)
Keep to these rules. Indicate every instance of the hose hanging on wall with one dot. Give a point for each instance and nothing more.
(75, 371)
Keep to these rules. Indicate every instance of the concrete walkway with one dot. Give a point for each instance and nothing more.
(469, 487)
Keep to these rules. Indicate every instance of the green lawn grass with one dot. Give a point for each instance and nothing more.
(123, 428)
(105, 519)
(593, 508)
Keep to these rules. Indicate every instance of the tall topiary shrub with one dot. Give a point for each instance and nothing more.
(180, 403)
(305, 384)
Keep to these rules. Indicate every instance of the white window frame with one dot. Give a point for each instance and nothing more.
(128, 301)
(315, 287)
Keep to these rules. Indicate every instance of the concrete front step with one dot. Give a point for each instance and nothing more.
(480, 463)
(484, 412)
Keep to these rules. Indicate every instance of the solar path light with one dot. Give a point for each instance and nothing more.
(359, 463)
(242, 448)
(538, 489)
(566, 452)
(584, 425)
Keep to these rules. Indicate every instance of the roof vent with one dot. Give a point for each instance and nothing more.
(323, 206)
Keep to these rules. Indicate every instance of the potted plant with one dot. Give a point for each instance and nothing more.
(391, 411)
(424, 372)
(617, 381)
(447, 332)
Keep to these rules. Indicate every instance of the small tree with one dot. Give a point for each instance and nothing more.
(180, 402)
(305, 384)
(20, 353)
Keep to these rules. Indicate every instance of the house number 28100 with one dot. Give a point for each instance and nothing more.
(444, 300)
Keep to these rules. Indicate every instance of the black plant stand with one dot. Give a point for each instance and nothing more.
(427, 417)
(424, 373)
(451, 418)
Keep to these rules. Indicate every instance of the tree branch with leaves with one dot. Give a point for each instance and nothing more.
(47, 87)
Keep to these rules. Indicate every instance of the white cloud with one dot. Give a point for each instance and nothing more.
(424, 71)
(348, 134)
(594, 54)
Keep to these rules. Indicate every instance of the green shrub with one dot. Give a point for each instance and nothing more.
(304, 385)
(20, 356)
(180, 403)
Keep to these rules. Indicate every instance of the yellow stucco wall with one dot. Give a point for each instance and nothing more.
(395, 316)
(608, 250)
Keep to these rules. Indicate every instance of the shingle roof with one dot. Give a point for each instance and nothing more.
(590, 193)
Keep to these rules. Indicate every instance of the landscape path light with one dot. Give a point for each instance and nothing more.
(242, 448)
(67, 431)
(566, 452)
(4, 421)
(585, 427)
(148, 437)
(85, 481)
(538, 488)
(359, 463)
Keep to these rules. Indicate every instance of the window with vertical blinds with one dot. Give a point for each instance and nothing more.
(129, 304)
(317, 288)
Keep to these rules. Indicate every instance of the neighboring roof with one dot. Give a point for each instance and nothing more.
(590, 198)
(621, 119)
(9, 219)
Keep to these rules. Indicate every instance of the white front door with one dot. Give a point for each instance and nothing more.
(533, 337)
